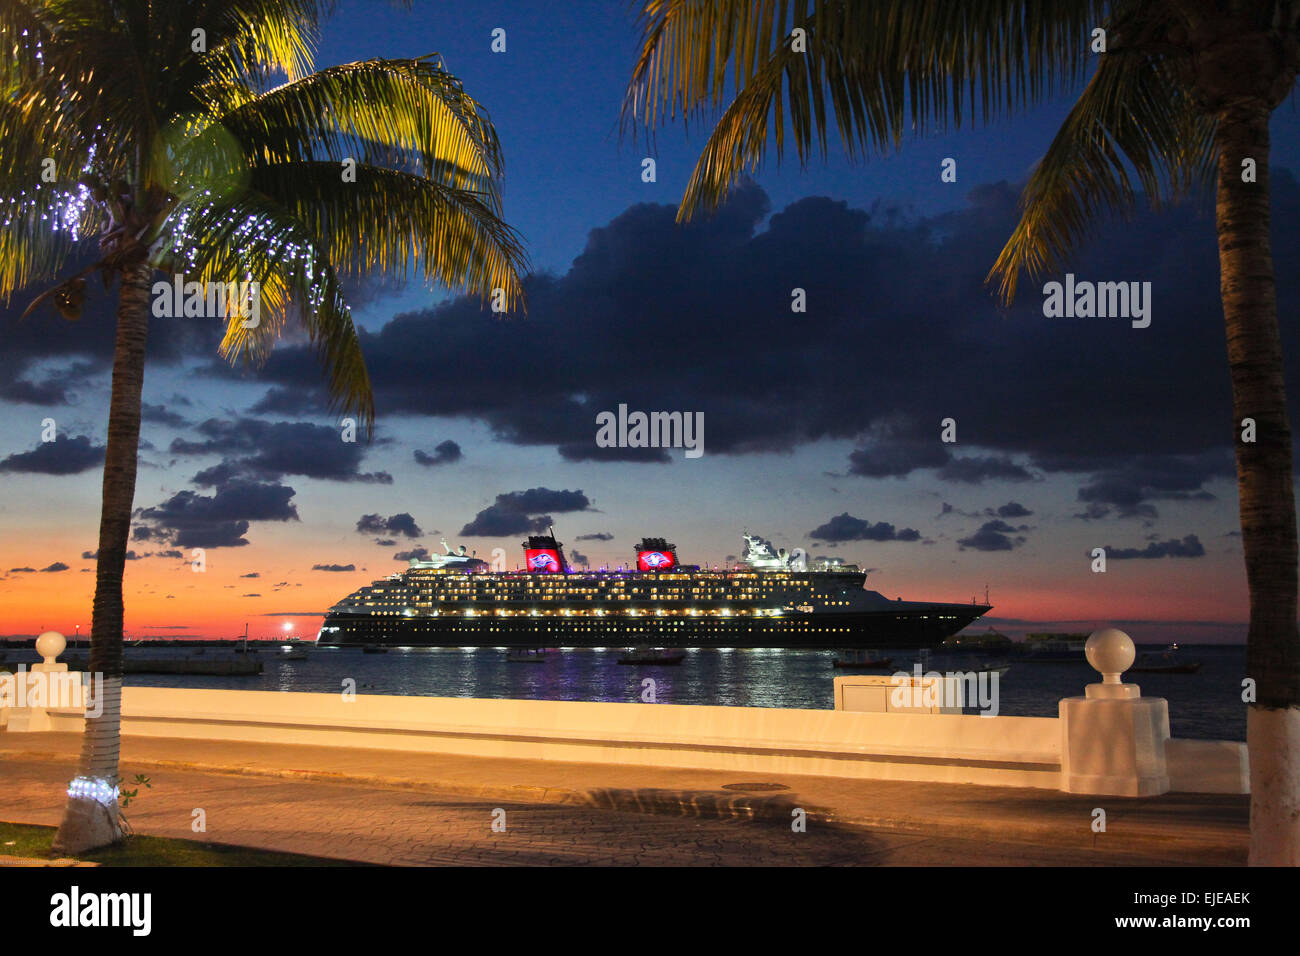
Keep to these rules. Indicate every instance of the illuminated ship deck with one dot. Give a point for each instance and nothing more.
(457, 602)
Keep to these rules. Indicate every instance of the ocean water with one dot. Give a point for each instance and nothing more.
(1203, 705)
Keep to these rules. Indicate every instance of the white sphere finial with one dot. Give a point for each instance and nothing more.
(50, 645)
(1111, 652)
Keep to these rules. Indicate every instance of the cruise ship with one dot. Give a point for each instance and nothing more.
(769, 600)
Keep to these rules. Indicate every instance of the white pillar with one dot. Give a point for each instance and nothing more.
(31, 719)
(1113, 738)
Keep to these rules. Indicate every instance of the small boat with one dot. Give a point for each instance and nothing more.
(528, 655)
(663, 658)
(862, 660)
(374, 649)
(244, 648)
(1163, 662)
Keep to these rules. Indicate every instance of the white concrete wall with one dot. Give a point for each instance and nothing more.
(948, 748)
(1006, 751)
(1207, 766)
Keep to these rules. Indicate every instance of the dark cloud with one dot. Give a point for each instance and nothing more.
(896, 459)
(56, 566)
(1189, 547)
(974, 470)
(270, 450)
(49, 392)
(1129, 488)
(192, 520)
(252, 574)
(899, 447)
(63, 456)
(218, 474)
(1097, 511)
(524, 512)
(596, 536)
(22, 570)
(162, 415)
(593, 452)
(543, 499)
(333, 567)
(845, 527)
(992, 536)
(444, 454)
(496, 521)
(45, 335)
(420, 553)
(900, 322)
(52, 390)
(31, 344)
(578, 558)
(402, 524)
(1013, 509)
(94, 556)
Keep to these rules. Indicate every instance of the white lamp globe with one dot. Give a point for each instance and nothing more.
(1111, 652)
(50, 645)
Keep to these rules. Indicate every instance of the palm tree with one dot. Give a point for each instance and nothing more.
(1179, 98)
(191, 137)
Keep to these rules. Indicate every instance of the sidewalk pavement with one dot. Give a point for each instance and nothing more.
(988, 822)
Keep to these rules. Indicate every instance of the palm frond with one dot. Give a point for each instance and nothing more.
(1133, 126)
(44, 211)
(246, 237)
(388, 220)
(39, 229)
(382, 112)
(24, 27)
(227, 177)
(872, 72)
(261, 37)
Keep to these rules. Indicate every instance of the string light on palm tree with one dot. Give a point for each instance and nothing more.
(225, 165)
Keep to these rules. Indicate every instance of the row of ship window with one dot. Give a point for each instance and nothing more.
(782, 625)
(693, 624)
(613, 597)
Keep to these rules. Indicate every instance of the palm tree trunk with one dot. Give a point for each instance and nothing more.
(1264, 483)
(90, 818)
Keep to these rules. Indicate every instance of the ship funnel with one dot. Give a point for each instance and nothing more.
(544, 555)
(655, 554)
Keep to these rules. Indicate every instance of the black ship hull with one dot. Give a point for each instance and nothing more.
(891, 629)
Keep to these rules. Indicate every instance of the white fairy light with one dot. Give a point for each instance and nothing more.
(90, 788)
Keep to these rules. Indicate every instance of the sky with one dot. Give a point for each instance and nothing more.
(822, 429)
